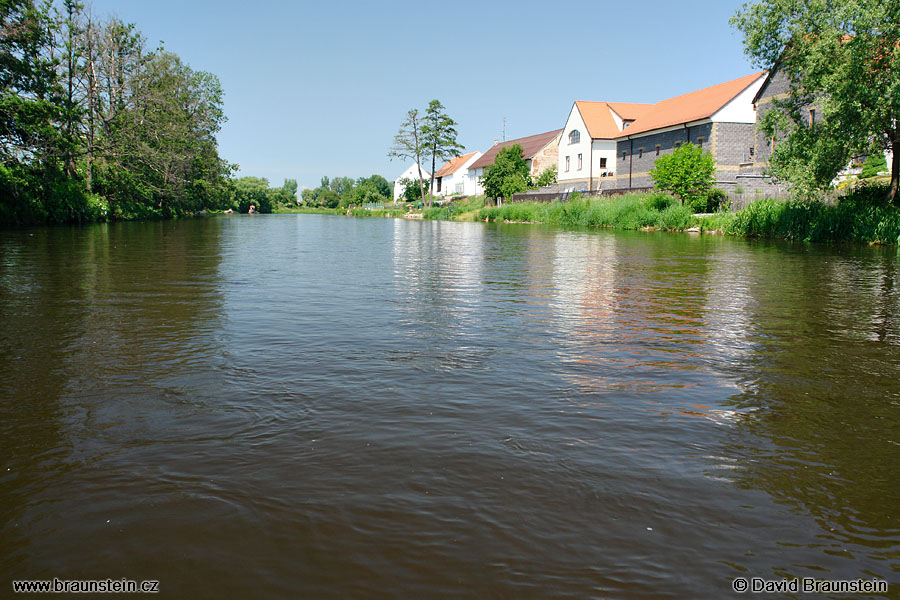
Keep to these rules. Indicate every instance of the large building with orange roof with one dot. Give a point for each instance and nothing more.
(720, 118)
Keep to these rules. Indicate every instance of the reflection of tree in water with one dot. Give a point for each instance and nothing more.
(80, 306)
(822, 388)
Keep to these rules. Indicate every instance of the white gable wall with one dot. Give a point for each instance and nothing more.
(574, 123)
(411, 172)
(460, 182)
(740, 109)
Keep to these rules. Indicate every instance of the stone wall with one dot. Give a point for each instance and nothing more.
(547, 157)
(638, 156)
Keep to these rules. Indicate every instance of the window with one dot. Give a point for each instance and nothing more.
(459, 189)
(700, 141)
(579, 162)
(640, 153)
(568, 159)
(624, 154)
(752, 150)
(439, 184)
(603, 163)
(677, 145)
(812, 117)
(657, 149)
(574, 136)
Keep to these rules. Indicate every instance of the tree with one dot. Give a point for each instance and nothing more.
(507, 175)
(875, 164)
(379, 183)
(547, 177)
(843, 56)
(439, 133)
(687, 172)
(409, 143)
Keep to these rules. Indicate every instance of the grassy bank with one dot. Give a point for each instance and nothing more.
(863, 216)
(633, 211)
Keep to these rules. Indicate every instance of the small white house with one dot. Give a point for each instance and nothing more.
(454, 179)
(411, 172)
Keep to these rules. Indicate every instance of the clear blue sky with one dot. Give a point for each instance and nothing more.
(320, 88)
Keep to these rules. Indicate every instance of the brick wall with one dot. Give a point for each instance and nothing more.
(644, 155)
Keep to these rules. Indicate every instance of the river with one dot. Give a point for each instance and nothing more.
(330, 407)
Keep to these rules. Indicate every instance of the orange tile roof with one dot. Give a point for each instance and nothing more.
(599, 121)
(452, 165)
(692, 106)
(531, 145)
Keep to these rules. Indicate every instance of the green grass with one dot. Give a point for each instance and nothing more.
(453, 210)
(862, 216)
(632, 211)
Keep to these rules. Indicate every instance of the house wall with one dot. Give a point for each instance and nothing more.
(545, 158)
(629, 157)
(571, 151)
(461, 181)
(411, 172)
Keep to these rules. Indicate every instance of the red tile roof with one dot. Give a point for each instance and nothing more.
(453, 165)
(692, 106)
(531, 145)
(599, 121)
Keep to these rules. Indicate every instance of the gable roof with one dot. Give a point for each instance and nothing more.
(453, 165)
(599, 120)
(692, 106)
(531, 145)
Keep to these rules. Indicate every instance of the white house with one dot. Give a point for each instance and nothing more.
(411, 172)
(454, 179)
(587, 147)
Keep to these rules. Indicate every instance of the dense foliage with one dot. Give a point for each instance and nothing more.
(841, 58)
(439, 134)
(344, 191)
(94, 125)
(688, 173)
(507, 175)
(863, 216)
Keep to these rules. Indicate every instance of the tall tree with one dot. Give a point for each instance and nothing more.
(439, 133)
(409, 143)
(841, 55)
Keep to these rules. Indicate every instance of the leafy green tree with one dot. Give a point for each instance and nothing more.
(290, 187)
(411, 189)
(843, 56)
(687, 172)
(409, 143)
(329, 198)
(439, 134)
(875, 164)
(547, 177)
(379, 183)
(252, 191)
(508, 174)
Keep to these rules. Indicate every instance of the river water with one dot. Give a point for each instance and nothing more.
(329, 407)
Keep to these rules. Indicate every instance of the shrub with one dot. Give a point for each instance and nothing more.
(687, 172)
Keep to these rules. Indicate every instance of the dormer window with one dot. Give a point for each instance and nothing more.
(574, 136)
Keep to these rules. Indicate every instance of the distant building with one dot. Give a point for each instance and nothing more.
(541, 151)
(411, 172)
(453, 179)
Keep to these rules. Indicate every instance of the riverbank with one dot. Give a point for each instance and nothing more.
(863, 216)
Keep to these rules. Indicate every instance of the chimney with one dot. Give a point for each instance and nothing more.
(495, 142)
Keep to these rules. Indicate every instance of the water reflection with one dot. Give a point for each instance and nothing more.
(103, 326)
